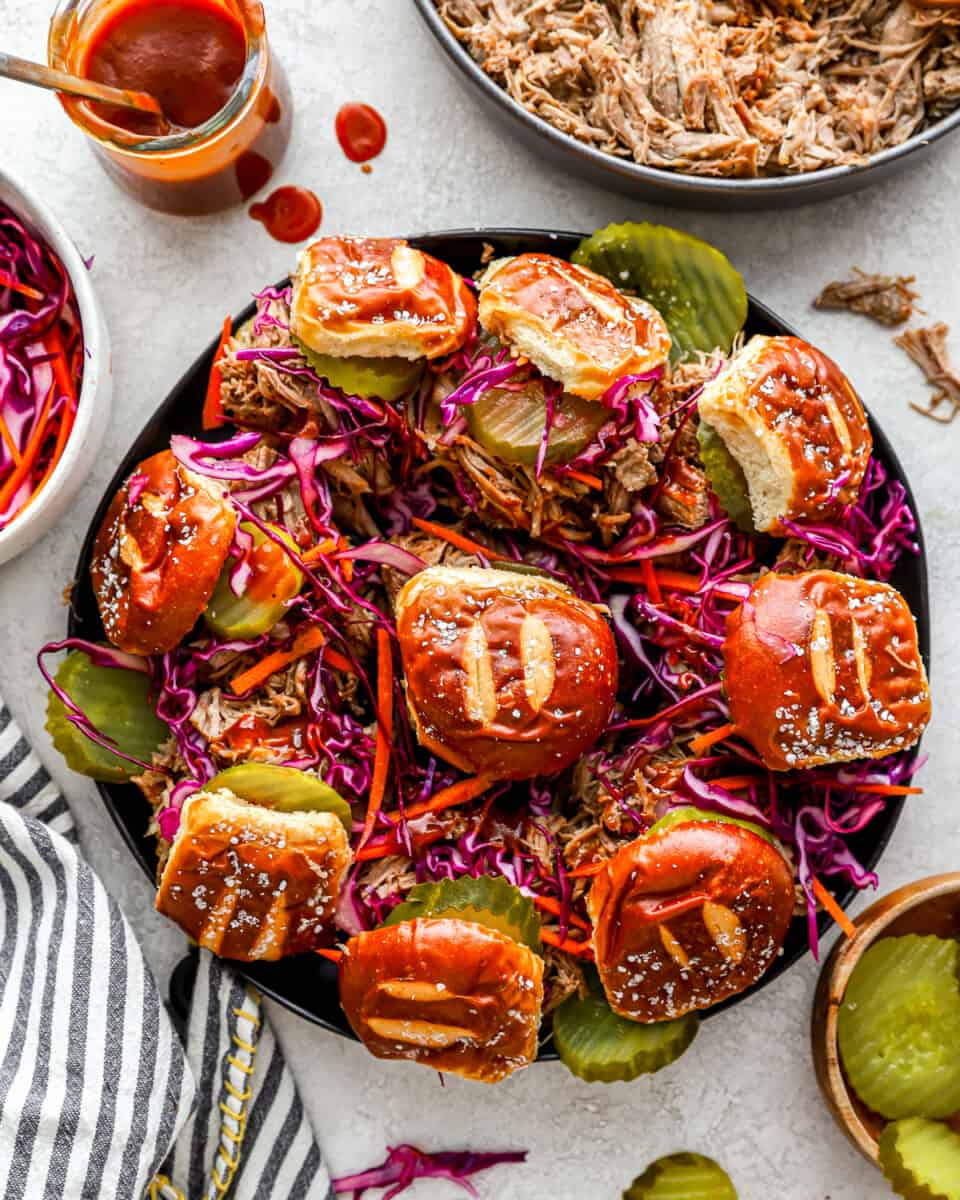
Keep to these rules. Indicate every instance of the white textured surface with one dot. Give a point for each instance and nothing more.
(745, 1091)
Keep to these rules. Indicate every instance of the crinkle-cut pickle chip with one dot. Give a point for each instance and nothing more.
(921, 1159)
(683, 816)
(726, 477)
(510, 424)
(599, 1046)
(682, 1176)
(117, 703)
(273, 584)
(692, 285)
(286, 789)
(489, 900)
(381, 378)
(899, 1027)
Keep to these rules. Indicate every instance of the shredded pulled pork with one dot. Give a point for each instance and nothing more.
(888, 299)
(727, 88)
(928, 349)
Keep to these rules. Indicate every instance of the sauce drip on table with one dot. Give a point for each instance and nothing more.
(290, 214)
(189, 54)
(361, 132)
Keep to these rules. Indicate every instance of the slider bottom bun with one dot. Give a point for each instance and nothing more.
(446, 993)
(252, 883)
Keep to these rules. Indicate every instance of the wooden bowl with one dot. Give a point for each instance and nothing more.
(929, 906)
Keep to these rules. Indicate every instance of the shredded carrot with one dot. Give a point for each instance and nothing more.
(588, 870)
(449, 797)
(338, 661)
(391, 844)
(30, 452)
(61, 368)
(650, 581)
(568, 945)
(550, 905)
(735, 783)
(887, 789)
(213, 414)
(458, 540)
(590, 481)
(706, 740)
(330, 546)
(676, 581)
(7, 281)
(834, 909)
(333, 955)
(311, 638)
(10, 443)
(381, 757)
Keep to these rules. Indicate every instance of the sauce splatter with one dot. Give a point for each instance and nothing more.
(253, 172)
(361, 132)
(290, 214)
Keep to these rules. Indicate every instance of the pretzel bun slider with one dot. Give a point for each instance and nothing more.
(572, 323)
(253, 883)
(792, 421)
(378, 298)
(508, 674)
(447, 993)
(821, 667)
(688, 916)
(157, 556)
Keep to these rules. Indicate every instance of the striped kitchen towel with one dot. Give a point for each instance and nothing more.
(99, 1100)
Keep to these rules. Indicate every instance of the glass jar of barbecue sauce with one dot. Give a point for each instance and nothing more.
(209, 65)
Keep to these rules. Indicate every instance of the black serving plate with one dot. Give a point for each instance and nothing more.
(672, 188)
(307, 984)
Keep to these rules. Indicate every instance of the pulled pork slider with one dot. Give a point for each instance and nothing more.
(158, 554)
(252, 883)
(507, 674)
(571, 323)
(378, 298)
(688, 916)
(790, 418)
(821, 667)
(444, 992)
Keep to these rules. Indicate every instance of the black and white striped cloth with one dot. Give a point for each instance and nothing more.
(99, 1099)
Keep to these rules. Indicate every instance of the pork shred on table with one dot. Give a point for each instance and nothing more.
(888, 299)
(728, 88)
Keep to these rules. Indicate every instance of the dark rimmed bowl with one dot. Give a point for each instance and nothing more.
(672, 188)
(307, 984)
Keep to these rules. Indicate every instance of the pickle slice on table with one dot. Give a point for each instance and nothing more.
(726, 477)
(682, 1176)
(692, 285)
(921, 1159)
(489, 900)
(117, 703)
(273, 581)
(597, 1045)
(510, 424)
(286, 789)
(383, 378)
(899, 1027)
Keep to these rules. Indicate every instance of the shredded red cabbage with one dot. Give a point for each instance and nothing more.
(405, 1164)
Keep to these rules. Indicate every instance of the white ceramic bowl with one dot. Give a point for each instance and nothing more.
(93, 407)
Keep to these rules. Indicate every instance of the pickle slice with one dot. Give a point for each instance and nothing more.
(510, 424)
(287, 789)
(899, 1027)
(489, 900)
(682, 1176)
(726, 477)
(683, 816)
(117, 703)
(384, 378)
(921, 1159)
(692, 285)
(274, 580)
(599, 1046)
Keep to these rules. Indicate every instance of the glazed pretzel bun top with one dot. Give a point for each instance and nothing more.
(571, 323)
(821, 667)
(252, 883)
(687, 917)
(378, 298)
(157, 558)
(792, 420)
(444, 992)
(506, 673)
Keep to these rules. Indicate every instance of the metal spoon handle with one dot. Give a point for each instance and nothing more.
(59, 81)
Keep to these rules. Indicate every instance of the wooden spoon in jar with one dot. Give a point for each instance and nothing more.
(43, 76)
